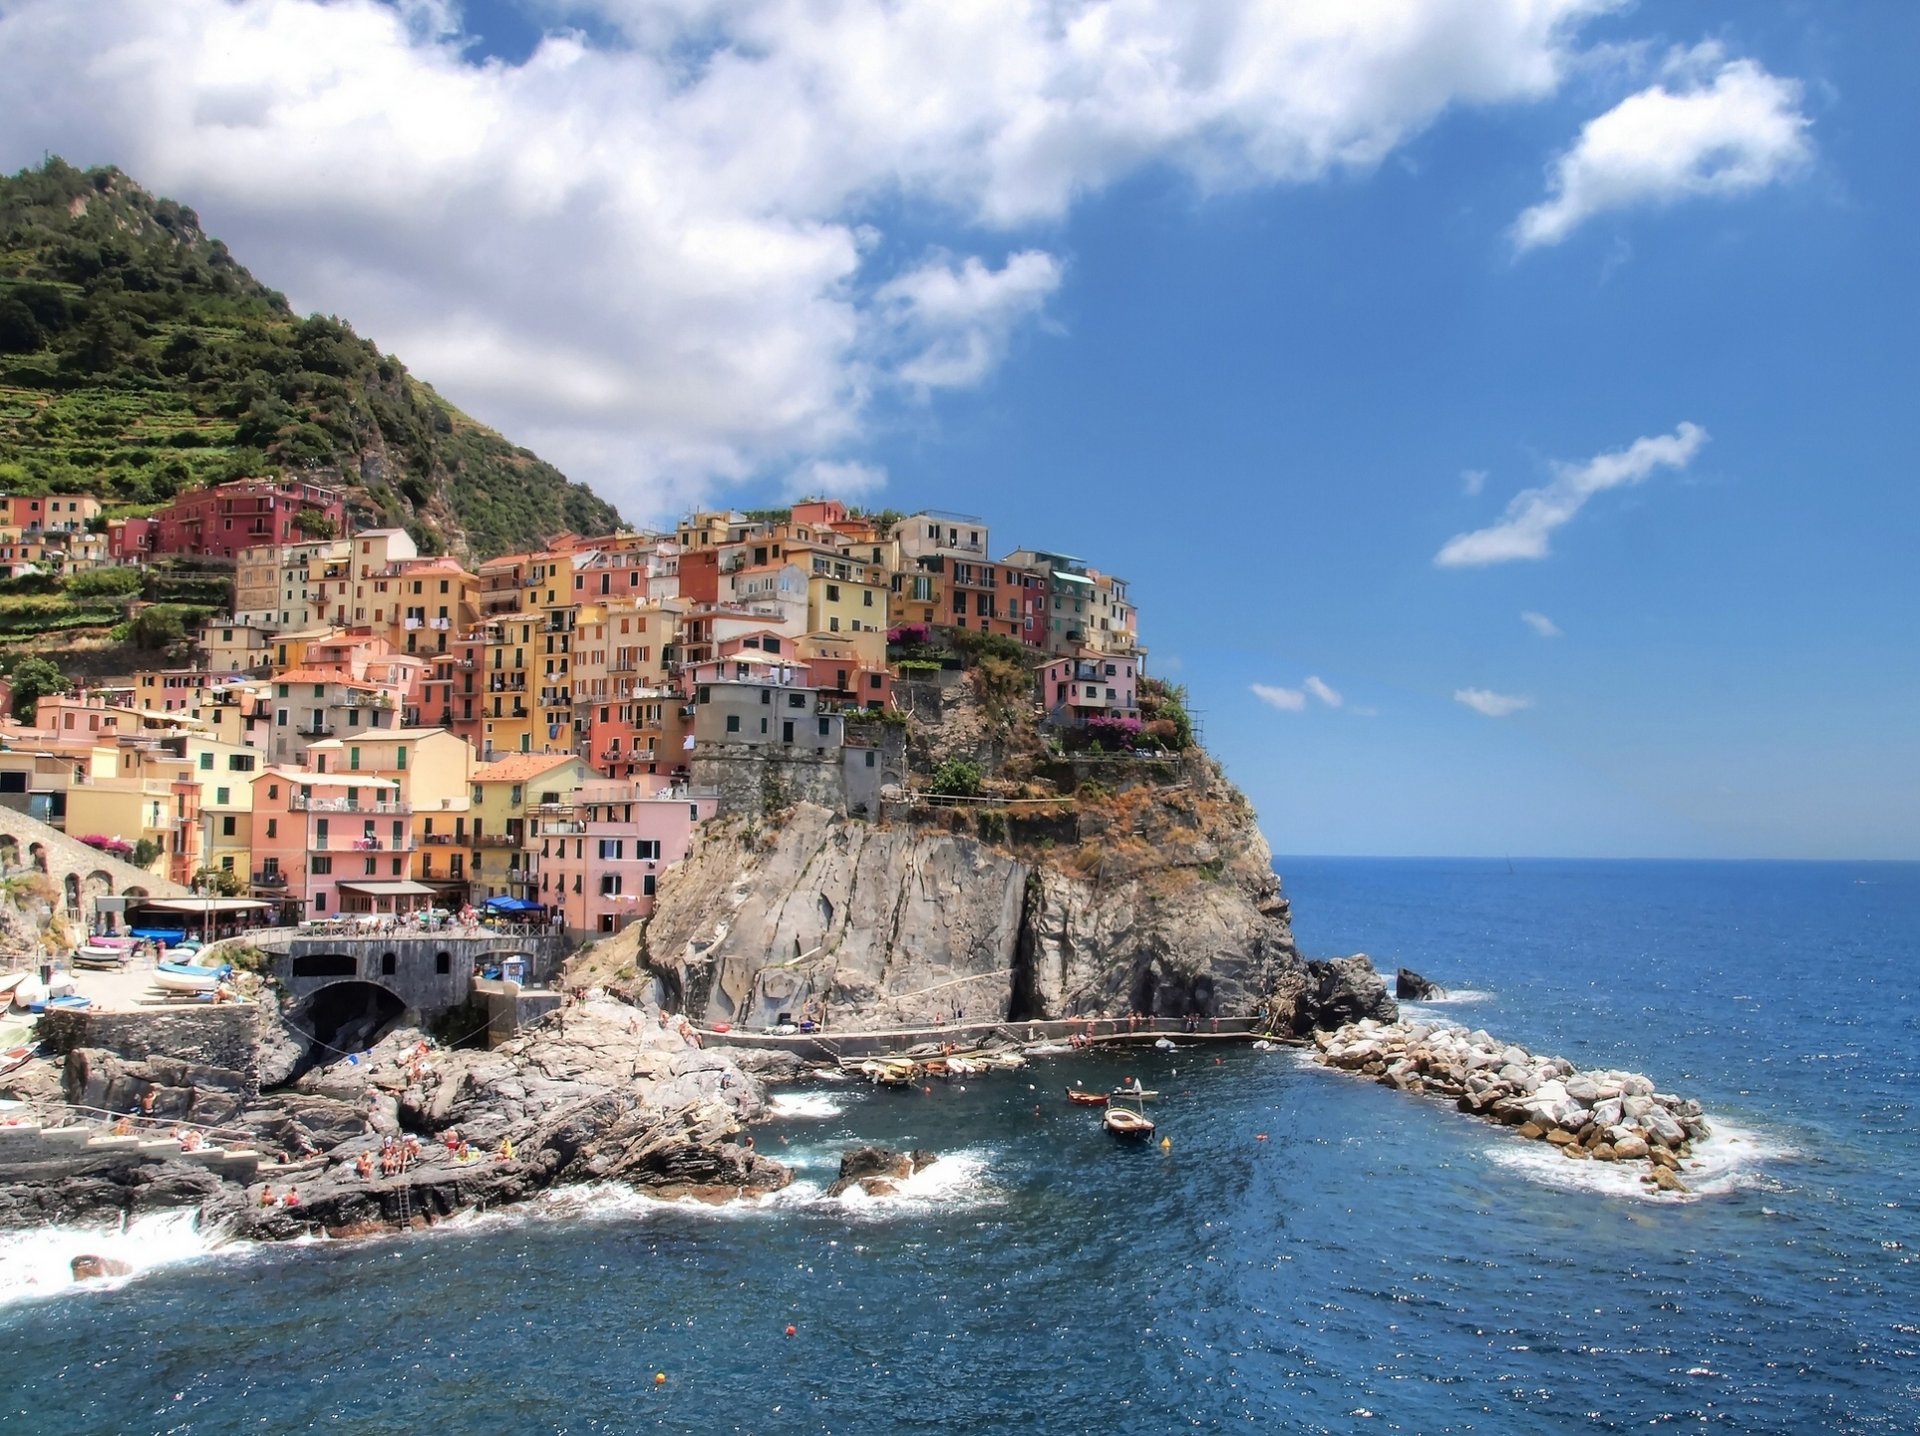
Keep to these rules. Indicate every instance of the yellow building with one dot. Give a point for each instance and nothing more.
(843, 594)
(225, 773)
(503, 793)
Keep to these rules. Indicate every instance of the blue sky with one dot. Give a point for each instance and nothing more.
(1261, 308)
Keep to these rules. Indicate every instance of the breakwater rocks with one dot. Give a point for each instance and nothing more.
(1602, 1116)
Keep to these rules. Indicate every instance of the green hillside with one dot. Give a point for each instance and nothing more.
(138, 358)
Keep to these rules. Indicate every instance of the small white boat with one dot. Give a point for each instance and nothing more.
(1165, 1044)
(1049, 1049)
(1132, 1088)
(179, 977)
(100, 957)
(1126, 1121)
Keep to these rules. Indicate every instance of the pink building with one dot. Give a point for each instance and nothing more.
(130, 539)
(331, 843)
(1090, 685)
(221, 520)
(600, 855)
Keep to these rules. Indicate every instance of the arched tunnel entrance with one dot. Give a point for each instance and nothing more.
(347, 1017)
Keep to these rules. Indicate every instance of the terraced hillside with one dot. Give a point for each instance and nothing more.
(138, 358)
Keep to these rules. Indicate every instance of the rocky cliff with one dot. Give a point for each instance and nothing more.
(1158, 898)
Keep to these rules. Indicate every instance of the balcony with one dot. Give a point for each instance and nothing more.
(358, 699)
(522, 877)
(500, 683)
(273, 879)
(314, 728)
(500, 840)
(443, 840)
(395, 808)
(368, 845)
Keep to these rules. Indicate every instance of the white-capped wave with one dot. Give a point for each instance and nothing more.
(1451, 997)
(956, 1179)
(37, 1261)
(1732, 1159)
(805, 1105)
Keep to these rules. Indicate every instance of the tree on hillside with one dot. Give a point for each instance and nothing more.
(33, 679)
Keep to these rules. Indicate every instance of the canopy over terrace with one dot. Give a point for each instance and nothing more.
(151, 917)
(397, 895)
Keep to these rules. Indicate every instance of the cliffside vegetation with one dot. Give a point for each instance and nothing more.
(139, 358)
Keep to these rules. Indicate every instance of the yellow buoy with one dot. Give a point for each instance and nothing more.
(1166, 1144)
(659, 1378)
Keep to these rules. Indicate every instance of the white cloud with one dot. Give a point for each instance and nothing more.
(1729, 128)
(1533, 514)
(1472, 481)
(955, 320)
(1541, 624)
(1286, 700)
(1493, 705)
(648, 248)
(1321, 690)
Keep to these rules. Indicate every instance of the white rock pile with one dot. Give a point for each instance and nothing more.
(1601, 1116)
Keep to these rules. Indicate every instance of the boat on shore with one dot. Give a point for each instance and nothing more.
(181, 977)
(1081, 1098)
(100, 958)
(1125, 1120)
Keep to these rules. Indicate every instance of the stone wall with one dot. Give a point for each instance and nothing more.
(755, 780)
(80, 873)
(208, 1035)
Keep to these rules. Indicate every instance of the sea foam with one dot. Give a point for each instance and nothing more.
(35, 1262)
(814, 1106)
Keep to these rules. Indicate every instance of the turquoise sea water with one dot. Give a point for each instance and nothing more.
(1378, 1263)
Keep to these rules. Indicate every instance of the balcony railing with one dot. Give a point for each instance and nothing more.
(443, 840)
(274, 879)
(500, 840)
(379, 808)
(312, 728)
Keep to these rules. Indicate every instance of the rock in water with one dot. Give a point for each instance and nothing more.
(1410, 986)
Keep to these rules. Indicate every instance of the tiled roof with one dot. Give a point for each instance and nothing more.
(517, 767)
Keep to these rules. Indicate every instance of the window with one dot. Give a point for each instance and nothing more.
(796, 700)
(613, 848)
(833, 593)
(319, 900)
(647, 848)
(825, 725)
(733, 722)
(239, 762)
(227, 826)
(400, 757)
(222, 796)
(373, 867)
(273, 827)
(206, 759)
(869, 757)
(610, 885)
(648, 883)
(353, 759)
(388, 964)
(867, 598)
(320, 831)
(322, 866)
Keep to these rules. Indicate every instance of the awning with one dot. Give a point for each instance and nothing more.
(1060, 575)
(200, 907)
(507, 904)
(399, 888)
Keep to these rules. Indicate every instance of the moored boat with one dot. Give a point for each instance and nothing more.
(1081, 1098)
(1126, 1121)
(1132, 1088)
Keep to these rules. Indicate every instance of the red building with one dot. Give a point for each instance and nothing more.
(220, 521)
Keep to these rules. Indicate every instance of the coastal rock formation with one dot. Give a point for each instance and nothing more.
(1606, 1116)
(602, 1092)
(1410, 986)
(1159, 899)
(877, 1171)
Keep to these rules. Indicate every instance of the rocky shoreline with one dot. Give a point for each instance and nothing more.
(1599, 1115)
(604, 1092)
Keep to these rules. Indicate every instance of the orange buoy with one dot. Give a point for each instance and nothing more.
(659, 1378)
(1259, 1136)
(790, 1330)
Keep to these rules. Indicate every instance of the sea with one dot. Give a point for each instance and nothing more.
(1309, 1253)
